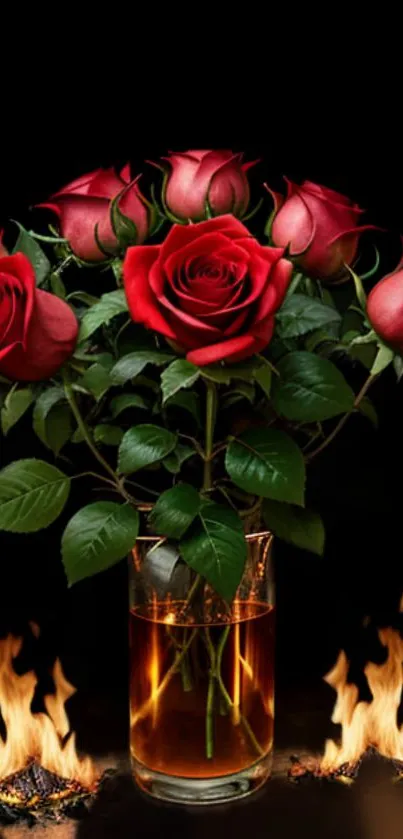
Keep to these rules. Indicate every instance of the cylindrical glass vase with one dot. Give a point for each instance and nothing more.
(201, 676)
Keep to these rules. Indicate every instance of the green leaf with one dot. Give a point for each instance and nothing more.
(187, 401)
(267, 462)
(310, 388)
(384, 357)
(57, 285)
(128, 400)
(263, 377)
(44, 404)
(368, 410)
(59, 428)
(15, 405)
(180, 374)
(111, 304)
(143, 445)
(300, 314)
(96, 380)
(223, 375)
(97, 537)
(215, 547)
(132, 364)
(110, 435)
(27, 245)
(175, 510)
(32, 495)
(242, 390)
(173, 462)
(303, 528)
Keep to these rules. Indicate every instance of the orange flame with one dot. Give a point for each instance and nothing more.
(37, 736)
(237, 677)
(366, 724)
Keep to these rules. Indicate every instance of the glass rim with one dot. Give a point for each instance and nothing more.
(259, 534)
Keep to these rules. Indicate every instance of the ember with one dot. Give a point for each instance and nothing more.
(40, 770)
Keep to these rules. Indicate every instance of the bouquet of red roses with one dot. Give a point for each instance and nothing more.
(193, 344)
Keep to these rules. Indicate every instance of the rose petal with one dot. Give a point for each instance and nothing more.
(105, 184)
(79, 186)
(78, 219)
(236, 349)
(17, 269)
(143, 305)
(180, 196)
(179, 235)
(203, 245)
(189, 330)
(229, 188)
(50, 339)
(294, 226)
(337, 199)
(124, 173)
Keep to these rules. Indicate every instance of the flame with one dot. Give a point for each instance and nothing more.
(154, 665)
(366, 724)
(237, 676)
(37, 736)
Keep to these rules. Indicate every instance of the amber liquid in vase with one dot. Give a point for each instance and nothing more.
(201, 695)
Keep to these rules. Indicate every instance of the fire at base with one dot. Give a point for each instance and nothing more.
(366, 727)
(39, 764)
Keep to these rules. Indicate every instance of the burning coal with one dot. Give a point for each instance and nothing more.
(40, 768)
(367, 727)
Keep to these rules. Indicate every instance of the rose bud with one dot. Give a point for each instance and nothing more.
(210, 288)
(38, 330)
(319, 228)
(385, 309)
(203, 182)
(90, 221)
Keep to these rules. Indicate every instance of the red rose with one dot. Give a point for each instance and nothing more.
(385, 309)
(198, 178)
(210, 287)
(38, 331)
(319, 226)
(84, 210)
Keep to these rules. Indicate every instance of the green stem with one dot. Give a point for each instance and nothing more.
(185, 666)
(54, 240)
(95, 475)
(70, 396)
(147, 705)
(367, 384)
(225, 695)
(210, 717)
(210, 695)
(211, 399)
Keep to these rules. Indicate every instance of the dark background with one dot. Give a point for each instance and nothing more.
(355, 484)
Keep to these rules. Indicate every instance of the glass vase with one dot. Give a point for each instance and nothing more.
(201, 676)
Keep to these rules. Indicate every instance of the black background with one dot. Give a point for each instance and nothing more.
(357, 483)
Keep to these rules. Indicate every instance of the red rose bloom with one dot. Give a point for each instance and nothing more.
(38, 331)
(200, 177)
(319, 226)
(84, 210)
(385, 309)
(210, 287)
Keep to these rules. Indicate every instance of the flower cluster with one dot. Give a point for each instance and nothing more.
(209, 361)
